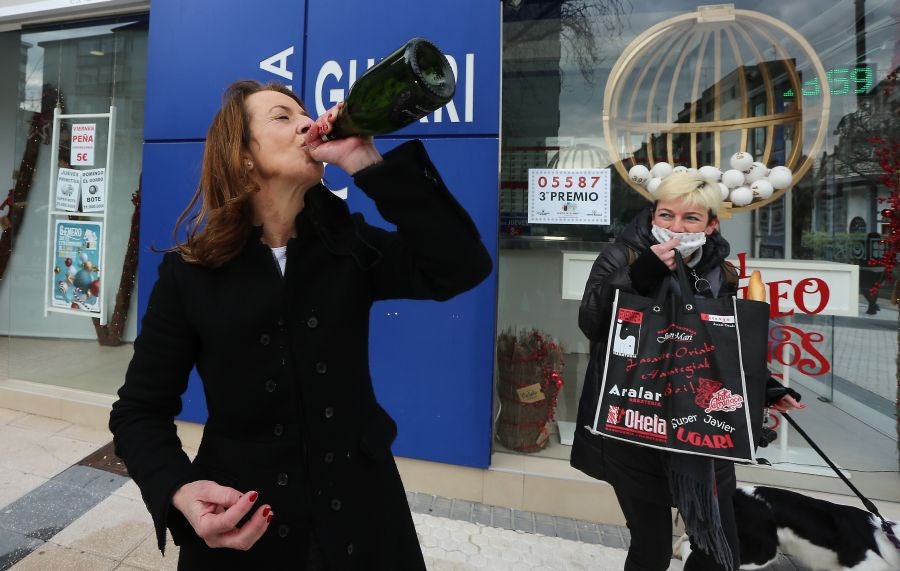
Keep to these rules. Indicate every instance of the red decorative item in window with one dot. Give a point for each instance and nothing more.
(530, 367)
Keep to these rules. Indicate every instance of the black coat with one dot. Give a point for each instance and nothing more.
(634, 469)
(284, 364)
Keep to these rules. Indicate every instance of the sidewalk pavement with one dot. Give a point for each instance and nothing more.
(60, 511)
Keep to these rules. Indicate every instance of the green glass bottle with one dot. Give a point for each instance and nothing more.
(403, 87)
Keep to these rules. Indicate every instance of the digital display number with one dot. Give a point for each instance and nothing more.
(841, 81)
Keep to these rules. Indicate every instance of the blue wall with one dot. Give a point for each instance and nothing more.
(432, 363)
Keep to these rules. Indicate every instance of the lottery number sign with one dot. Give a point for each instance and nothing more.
(568, 196)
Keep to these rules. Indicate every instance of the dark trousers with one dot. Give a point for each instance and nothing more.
(650, 524)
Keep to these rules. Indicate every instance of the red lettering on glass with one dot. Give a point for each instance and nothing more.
(774, 296)
(803, 294)
(801, 351)
(811, 286)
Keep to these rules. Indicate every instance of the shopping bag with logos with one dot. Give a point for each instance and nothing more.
(683, 373)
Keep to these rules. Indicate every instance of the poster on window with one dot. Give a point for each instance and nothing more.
(76, 265)
(93, 190)
(83, 135)
(68, 189)
(568, 196)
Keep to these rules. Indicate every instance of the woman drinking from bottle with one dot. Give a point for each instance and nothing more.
(683, 219)
(268, 296)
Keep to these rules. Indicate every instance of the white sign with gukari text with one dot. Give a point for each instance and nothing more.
(93, 190)
(568, 196)
(83, 136)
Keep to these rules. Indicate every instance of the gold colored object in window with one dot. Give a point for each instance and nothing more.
(696, 88)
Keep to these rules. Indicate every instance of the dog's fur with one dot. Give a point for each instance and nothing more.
(819, 534)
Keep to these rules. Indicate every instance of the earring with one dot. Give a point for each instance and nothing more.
(249, 164)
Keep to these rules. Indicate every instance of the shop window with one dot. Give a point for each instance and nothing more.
(81, 67)
(557, 62)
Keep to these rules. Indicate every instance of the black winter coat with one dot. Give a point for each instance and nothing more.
(634, 469)
(284, 364)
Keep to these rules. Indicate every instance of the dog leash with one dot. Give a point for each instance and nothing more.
(885, 525)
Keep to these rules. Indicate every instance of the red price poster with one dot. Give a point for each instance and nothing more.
(83, 137)
(568, 196)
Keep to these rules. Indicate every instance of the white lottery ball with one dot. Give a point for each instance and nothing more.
(780, 177)
(661, 170)
(710, 173)
(733, 178)
(724, 190)
(639, 174)
(692, 170)
(762, 189)
(755, 172)
(680, 168)
(653, 184)
(741, 196)
(741, 161)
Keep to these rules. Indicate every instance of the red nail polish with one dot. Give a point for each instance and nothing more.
(252, 496)
(266, 511)
(269, 519)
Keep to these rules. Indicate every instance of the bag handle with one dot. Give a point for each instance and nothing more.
(687, 292)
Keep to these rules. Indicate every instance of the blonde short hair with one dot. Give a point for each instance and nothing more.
(693, 189)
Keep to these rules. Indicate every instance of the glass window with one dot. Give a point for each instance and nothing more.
(82, 67)
(812, 85)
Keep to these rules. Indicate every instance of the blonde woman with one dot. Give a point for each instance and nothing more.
(683, 218)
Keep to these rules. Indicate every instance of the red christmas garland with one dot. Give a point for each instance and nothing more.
(887, 153)
(551, 384)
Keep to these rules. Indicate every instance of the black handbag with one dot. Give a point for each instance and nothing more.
(684, 373)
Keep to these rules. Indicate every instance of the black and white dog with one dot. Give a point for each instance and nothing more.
(819, 534)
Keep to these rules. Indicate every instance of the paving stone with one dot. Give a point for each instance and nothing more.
(48, 507)
(462, 510)
(608, 528)
(423, 502)
(502, 512)
(441, 507)
(91, 479)
(586, 526)
(482, 514)
(523, 521)
(567, 533)
(14, 547)
(612, 540)
(502, 521)
(545, 528)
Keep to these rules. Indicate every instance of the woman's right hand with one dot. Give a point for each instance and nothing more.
(214, 512)
(666, 252)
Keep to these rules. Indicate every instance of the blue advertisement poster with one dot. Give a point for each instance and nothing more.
(76, 265)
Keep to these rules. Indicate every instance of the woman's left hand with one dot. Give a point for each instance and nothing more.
(351, 154)
(787, 403)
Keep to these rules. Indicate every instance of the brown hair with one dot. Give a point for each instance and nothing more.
(217, 230)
